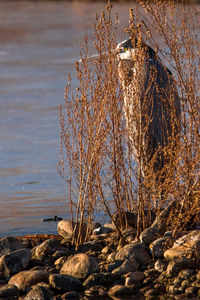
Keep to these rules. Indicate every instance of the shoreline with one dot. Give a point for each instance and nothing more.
(47, 266)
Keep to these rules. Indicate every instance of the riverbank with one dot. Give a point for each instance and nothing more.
(157, 265)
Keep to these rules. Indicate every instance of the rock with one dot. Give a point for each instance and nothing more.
(60, 261)
(95, 292)
(151, 292)
(39, 293)
(132, 282)
(159, 226)
(9, 244)
(80, 266)
(151, 273)
(42, 252)
(9, 291)
(129, 234)
(126, 267)
(186, 246)
(160, 265)
(70, 296)
(65, 228)
(64, 282)
(188, 237)
(119, 290)
(137, 275)
(196, 283)
(178, 264)
(25, 279)
(130, 218)
(186, 274)
(90, 246)
(168, 234)
(102, 230)
(106, 250)
(14, 262)
(60, 253)
(134, 252)
(159, 246)
(99, 279)
(191, 291)
(111, 257)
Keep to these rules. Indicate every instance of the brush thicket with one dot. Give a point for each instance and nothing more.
(97, 160)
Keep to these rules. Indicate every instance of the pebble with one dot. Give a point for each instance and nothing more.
(104, 266)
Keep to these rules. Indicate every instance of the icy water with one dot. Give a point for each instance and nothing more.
(39, 43)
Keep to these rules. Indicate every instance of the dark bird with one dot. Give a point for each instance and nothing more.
(151, 105)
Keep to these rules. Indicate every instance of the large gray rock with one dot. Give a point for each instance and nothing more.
(178, 264)
(126, 267)
(67, 229)
(80, 266)
(9, 244)
(159, 246)
(9, 291)
(186, 246)
(14, 262)
(46, 249)
(39, 293)
(120, 291)
(64, 282)
(97, 279)
(159, 226)
(134, 253)
(26, 279)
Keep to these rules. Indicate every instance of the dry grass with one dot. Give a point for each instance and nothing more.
(97, 159)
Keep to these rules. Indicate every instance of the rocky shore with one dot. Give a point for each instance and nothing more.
(158, 265)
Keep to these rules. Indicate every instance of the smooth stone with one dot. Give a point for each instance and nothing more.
(60, 253)
(137, 275)
(99, 279)
(193, 235)
(8, 291)
(126, 267)
(14, 262)
(134, 252)
(186, 274)
(90, 246)
(119, 290)
(106, 250)
(46, 249)
(80, 266)
(25, 279)
(9, 244)
(111, 257)
(64, 282)
(160, 265)
(132, 282)
(186, 246)
(65, 228)
(159, 226)
(130, 218)
(60, 261)
(178, 264)
(159, 246)
(39, 293)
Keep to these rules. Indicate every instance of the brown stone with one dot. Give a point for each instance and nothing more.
(14, 262)
(80, 266)
(25, 279)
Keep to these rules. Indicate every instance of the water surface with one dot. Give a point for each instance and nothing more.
(39, 43)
